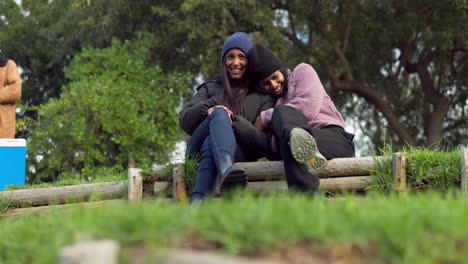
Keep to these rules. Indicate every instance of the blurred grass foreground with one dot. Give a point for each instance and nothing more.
(424, 227)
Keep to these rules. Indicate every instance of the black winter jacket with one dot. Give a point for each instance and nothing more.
(255, 145)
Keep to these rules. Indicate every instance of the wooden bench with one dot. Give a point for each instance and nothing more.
(340, 174)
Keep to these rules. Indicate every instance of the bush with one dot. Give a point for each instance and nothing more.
(115, 107)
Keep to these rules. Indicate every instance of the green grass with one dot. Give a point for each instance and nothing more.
(190, 174)
(7, 204)
(426, 170)
(418, 228)
(433, 170)
(190, 171)
(101, 175)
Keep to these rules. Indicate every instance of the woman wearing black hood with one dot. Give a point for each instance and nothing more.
(308, 129)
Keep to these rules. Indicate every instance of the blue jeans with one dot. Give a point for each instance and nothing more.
(212, 139)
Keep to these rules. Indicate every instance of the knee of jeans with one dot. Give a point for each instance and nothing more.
(219, 113)
(282, 107)
(279, 112)
(205, 150)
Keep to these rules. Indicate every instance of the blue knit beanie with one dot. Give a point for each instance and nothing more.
(238, 40)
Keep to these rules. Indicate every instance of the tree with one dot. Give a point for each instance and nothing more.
(115, 107)
(396, 67)
(404, 58)
(36, 36)
(43, 36)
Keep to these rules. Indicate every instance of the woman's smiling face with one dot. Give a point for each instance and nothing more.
(236, 63)
(273, 83)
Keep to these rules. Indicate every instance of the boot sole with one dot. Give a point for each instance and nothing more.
(304, 149)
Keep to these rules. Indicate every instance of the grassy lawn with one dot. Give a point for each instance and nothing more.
(428, 224)
(415, 228)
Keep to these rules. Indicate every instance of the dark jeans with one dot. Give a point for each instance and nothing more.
(332, 141)
(213, 138)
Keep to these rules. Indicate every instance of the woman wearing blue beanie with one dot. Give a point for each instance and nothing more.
(212, 115)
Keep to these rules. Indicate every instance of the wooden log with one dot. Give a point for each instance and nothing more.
(160, 187)
(354, 183)
(179, 190)
(44, 209)
(42, 196)
(90, 252)
(135, 185)
(399, 165)
(339, 167)
(464, 175)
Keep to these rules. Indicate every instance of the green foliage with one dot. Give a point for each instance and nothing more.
(188, 34)
(6, 204)
(434, 170)
(426, 170)
(355, 43)
(115, 106)
(42, 37)
(165, 174)
(420, 228)
(190, 173)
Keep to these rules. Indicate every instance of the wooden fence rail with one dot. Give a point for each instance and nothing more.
(340, 174)
(336, 184)
(351, 174)
(346, 173)
(274, 170)
(339, 167)
(42, 196)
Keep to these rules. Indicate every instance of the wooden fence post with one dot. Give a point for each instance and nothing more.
(399, 171)
(135, 184)
(178, 190)
(464, 175)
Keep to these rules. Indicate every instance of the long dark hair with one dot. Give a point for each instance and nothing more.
(234, 92)
(3, 61)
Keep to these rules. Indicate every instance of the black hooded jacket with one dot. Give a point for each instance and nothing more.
(255, 145)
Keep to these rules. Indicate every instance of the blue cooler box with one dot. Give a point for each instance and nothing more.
(12, 162)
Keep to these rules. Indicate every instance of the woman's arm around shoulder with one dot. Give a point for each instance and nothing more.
(268, 102)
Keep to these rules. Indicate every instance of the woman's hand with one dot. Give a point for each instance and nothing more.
(229, 112)
(258, 123)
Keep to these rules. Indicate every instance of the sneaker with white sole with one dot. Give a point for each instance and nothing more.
(305, 151)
